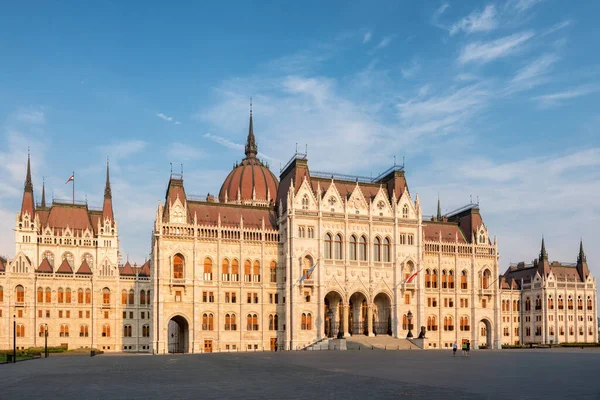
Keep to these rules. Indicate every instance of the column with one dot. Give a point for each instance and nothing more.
(345, 316)
(370, 319)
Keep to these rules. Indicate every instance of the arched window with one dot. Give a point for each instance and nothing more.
(148, 297)
(252, 322)
(485, 280)
(579, 303)
(463, 280)
(48, 295)
(464, 324)
(106, 330)
(68, 296)
(235, 270)
(256, 271)
(427, 278)
(106, 296)
(570, 302)
(48, 255)
(64, 330)
(404, 322)
(448, 323)
(405, 211)
(377, 250)
(80, 297)
(1, 294)
(431, 323)
(305, 202)
(338, 247)
(225, 270)
(127, 331)
(561, 304)
(308, 321)
(328, 246)
(352, 254)
(527, 304)
(20, 330)
(273, 271)
(42, 330)
(274, 322)
(131, 297)
(230, 323)
(247, 271)
(143, 297)
(589, 303)
(40, 295)
(386, 250)
(124, 297)
(88, 296)
(451, 279)
(146, 331)
(515, 307)
(444, 279)
(538, 303)
(178, 266)
(207, 269)
(207, 321)
(434, 279)
(61, 295)
(362, 249)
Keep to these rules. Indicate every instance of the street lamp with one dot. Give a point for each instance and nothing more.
(46, 341)
(14, 338)
(330, 315)
(409, 316)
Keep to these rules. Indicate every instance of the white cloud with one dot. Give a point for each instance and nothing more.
(31, 116)
(224, 142)
(557, 99)
(167, 118)
(411, 70)
(483, 21)
(385, 42)
(484, 52)
(557, 27)
(533, 74)
(524, 5)
(437, 14)
(367, 37)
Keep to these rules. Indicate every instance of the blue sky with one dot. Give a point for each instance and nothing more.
(498, 100)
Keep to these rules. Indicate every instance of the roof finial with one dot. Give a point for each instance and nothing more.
(43, 192)
(107, 190)
(251, 147)
(28, 183)
(543, 252)
(581, 257)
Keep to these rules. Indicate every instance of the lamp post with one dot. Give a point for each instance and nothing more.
(409, 316)
(14, 338)
(330, 315)
(46, 341)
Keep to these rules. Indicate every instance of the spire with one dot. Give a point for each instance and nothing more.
(439, 210)
(543, 252)
(581, 257)
(27, 205)
(251, 148)
(107, 191)
(43, 194)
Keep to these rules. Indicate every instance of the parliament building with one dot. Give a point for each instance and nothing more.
(280, 263)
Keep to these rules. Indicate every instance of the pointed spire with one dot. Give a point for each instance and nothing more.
(251, 147)
(43, 193)
(28, 183)
(107, 190)
(581, 257)
(543, 252)
(27, 205)
(439, 210)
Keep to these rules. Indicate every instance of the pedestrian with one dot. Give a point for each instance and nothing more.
(454, 349)
(464, 348)
(468, 347)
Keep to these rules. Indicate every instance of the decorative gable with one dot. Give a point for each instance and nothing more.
(332, 200)
(357, 204)
(304, 198)
(381, 206)
(177, 212)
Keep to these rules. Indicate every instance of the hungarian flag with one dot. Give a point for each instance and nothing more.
(71, 178)
(410, 278)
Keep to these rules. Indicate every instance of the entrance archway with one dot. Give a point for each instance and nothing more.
(178, 329)
(485, 334)
(333, 314)
(357, 324)
(382, 316)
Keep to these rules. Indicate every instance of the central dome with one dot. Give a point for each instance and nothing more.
(250, 181)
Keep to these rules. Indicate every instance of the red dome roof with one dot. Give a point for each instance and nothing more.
(251, 179)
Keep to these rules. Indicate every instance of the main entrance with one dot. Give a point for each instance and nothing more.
(178, 335)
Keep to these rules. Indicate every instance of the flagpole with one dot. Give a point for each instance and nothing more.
(73, 187)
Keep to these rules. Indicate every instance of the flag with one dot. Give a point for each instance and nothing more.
(307, 274)
(71, 178)
(410, 278)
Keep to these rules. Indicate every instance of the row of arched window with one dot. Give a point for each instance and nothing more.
(358, 248)
(128, 298)
(48, 255)
(332, 201)
(251, 322)
(230, 270)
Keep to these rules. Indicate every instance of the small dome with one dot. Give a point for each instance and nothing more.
(251, 179)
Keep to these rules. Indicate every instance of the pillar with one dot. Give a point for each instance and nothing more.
(370, 319)
(346, 319)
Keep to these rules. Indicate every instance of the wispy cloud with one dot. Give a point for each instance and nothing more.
(224, 141)
(385, 42)
(437, 14)
(411, 70)
(167, 118)
(557, 27)
(533, 74)
(31, 116)
(477, 21)
(484, 52)
(367, 37)
(123, 149)
(182, 151)
(523, 5)
(558, 99)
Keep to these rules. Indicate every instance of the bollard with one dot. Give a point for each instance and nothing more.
(385, 347)
(372, 347)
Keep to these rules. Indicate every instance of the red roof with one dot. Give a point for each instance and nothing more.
(64, 268)
(449, 232)
(127, 270)
(231, 214)
(84, 268)
(45, 266)
(145, 269)
(2, 264)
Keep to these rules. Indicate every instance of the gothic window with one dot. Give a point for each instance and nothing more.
(127, 331)
(377, 250)
(20, 330)
(352, 254)
(464, 324)
(451, 279)
(427, 278)
(178, 265)
(69, 257)
(148, 297)
(131, 297)
(273, 271)
(80, 298)
(444, 279)
(230, 323)
(207, 269)
(431, 325)
(448, 323)
(225, 269)
(124, 297)
(405, 211)
(88, 296)
(306, 322)
(485, 280)
(386, 250)
(589, 302)
(463, 280)
(527, 304)
(146, 331)
(434, 279)
(305, 202)
(570, 302)
(256, 271)
(252, 322)
(561, 304)
(48, 255)
(338, 247)
(328, 246)
(2, 294)
(143, 297)
(61, 295)
(247, 270)
(207, 321)
(579, 303)
(235, 270)
(106, 330)
(273, 322)
(362, 249)
(40, 295)
(404, 322)
(64, 330)
(106, 296)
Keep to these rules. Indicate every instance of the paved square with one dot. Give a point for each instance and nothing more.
(508, 374)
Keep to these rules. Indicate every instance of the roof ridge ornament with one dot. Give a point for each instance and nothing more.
(251, 148)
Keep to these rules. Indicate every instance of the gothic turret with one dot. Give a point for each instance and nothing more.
(582, 267)
(107, 209)
(43, 205)
(439, 211)
(251, 147)
(543, 263)
(27, 206)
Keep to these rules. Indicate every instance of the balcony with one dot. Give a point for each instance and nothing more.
(177, 282)
(308, 282)
(105, 305)
(20, 304)
(409, 285)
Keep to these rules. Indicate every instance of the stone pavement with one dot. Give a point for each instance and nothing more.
(514, 374)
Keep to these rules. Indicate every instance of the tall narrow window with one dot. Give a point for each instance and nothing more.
(386, 250)
(305, 202)
(273, 271)
(352, 254)
(106, 296)
(68, 296)
(247, 270)
(143, 297)
(328, 246)
(235, 270)
(451, 279)
(61, 295)
(256, 271)
(105, 330)
(444, 279)
(80, 298)
(40, 295)
(225, 270)
(88, 296)
(377, 250)
(463, 280)
(124, 297)
(427, 278)
(405, 211)
(362, 249)
(207, 269)
(131, 297)
(178, 264)
(338, 247)
(434, 279)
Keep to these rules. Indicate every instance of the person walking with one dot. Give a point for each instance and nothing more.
(464, 348)
(454, 349)
(468, 347)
